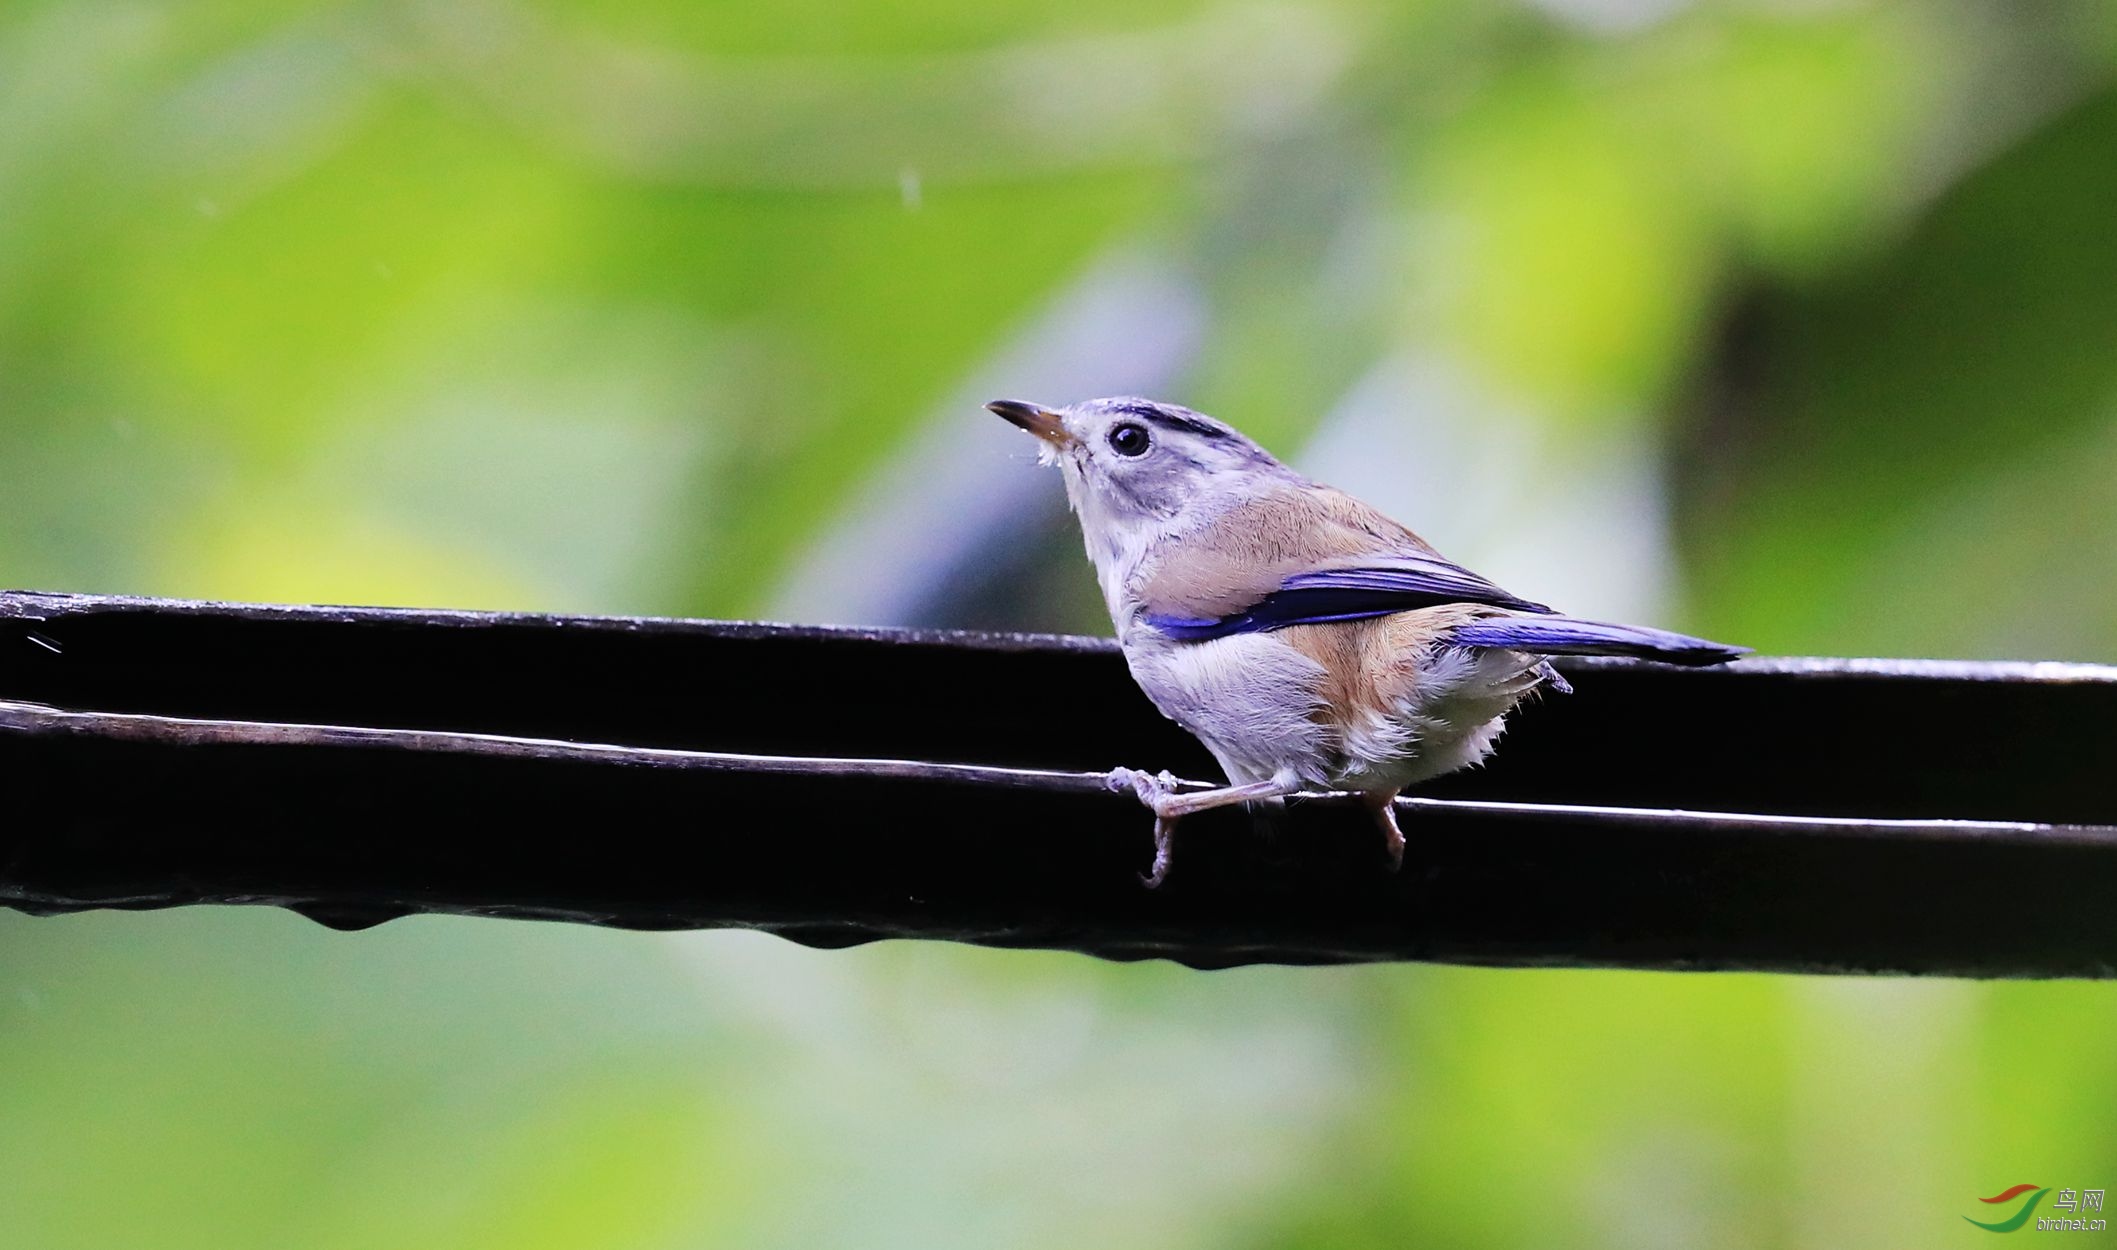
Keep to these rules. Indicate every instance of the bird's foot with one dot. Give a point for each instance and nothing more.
(1152, 788)
(1157, 791)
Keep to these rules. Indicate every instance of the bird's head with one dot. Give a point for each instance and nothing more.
(1135, 468)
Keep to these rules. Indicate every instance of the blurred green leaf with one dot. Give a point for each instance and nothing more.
(1921, 455)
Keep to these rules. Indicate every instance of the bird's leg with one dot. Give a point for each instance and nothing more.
(1382, 804)
(1158, 792)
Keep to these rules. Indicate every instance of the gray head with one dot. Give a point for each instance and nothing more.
(1134, 468)
(1135, 458)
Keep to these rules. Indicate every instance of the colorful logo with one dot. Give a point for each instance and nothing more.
(2071, 1211)
(2019, 1218)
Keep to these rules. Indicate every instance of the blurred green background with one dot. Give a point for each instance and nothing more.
(1793, 324)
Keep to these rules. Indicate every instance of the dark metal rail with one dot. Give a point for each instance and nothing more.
(837, 786)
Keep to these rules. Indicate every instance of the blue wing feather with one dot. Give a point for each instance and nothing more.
(1436, 581)
(1563, 635)
(1349, 594)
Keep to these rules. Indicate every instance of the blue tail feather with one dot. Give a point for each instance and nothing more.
(1563, 635)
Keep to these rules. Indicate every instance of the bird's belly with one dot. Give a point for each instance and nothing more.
(1251, 699)
(1268, 710)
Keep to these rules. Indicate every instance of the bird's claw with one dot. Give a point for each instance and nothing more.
(1155, 790)
(1384, 809)
(1164, 843)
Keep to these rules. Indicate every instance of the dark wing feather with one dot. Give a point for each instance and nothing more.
(1398, 583)
(1563, 635)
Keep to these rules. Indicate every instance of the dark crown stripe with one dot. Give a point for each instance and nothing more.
(1175, 420)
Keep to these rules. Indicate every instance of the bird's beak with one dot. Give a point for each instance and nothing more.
(1036, 419)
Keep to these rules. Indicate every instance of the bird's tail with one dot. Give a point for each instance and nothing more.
(1562, 635)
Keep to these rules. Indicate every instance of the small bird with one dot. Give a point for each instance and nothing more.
(1309, 641)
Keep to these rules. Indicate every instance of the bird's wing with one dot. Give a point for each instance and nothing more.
(1300, 555)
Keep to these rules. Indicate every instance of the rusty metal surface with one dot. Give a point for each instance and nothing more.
(359, 764)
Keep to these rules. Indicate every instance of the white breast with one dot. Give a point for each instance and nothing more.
(1252, 699)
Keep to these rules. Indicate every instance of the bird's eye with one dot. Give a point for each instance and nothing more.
(1129, 439)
